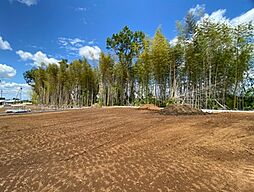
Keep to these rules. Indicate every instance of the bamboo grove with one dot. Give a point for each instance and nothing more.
(209, 65)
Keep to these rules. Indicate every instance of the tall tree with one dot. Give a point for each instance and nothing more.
(160, 57)
(143, 69)
(106, 67)
(127, 45)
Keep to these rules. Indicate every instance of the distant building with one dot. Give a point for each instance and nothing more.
(5, 102)
(2, 100)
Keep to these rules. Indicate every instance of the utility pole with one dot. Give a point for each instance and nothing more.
(20, 94)
(1, 91)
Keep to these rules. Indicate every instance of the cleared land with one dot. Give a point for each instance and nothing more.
(126, 150)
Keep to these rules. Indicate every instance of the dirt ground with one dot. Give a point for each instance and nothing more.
(126, 150)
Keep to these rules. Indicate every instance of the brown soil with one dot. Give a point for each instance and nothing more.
(2, 110)
(126, 150)
(178, 109)
(151, 107)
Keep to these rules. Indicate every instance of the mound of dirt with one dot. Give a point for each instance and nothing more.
(151, 107)
(178, 109)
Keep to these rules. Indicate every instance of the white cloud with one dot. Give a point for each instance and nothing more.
(5, 45)
(38, 58)
(84, 21)
(7, 71)
(71, 44)
(77, 45)
(81, 9)
(27, 2)
(24, 55)
(244, 18)
(10, 89)
(77, 42)
(91, 42)
(173, 41)
(218, 16)
(91, 53)
(198, 10)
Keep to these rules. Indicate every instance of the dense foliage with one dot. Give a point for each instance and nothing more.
(208, 65)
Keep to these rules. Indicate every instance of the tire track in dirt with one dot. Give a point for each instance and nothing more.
(127, 150)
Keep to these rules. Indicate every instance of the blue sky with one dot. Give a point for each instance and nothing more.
(34, 31)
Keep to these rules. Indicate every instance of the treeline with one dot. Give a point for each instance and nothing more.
(63, 84)
(207, 66)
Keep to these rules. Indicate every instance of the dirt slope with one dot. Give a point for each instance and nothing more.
(151, 107)
(126, 150)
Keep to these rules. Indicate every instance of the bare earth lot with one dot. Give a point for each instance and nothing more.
(126, 150)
